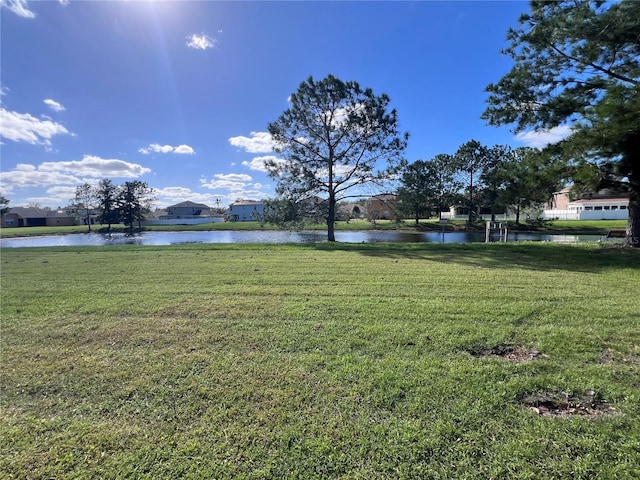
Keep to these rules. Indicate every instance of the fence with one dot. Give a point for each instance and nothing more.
(498, 217)
(586, 214)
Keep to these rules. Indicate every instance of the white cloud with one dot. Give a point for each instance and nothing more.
(200, 42)
(340, 115)
(249, 193)
(259, 142)
(157, 148)
(25, 167)
(22, 127)
(62, 192)
(258, 163)
(53, 105)
(172, 195)
(175, 192)
(154, 147)
(29, 176)
(232, 182)
(543, 138)
(223, 185)
(56, 196)
(64, 2)
(19, 7)
(184, 150)
(93, 166)
(237, 177)
(68, 173)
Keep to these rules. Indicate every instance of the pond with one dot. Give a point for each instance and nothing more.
(272, 236)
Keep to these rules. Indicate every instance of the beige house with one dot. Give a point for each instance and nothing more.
(352, 210)
(382, 207)
(36, 217)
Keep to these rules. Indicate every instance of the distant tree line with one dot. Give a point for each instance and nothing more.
(478, 177)
(4, 204)
(110, 204)
(333, 135)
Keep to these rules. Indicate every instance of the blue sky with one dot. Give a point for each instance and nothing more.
(179, 93)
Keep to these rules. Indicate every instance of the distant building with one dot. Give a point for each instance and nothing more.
(382, 207)
(560, 200)
(36, 217)
(462, 212)
(188, 209)
(602, 205)
(352, 210)
(245, 210)
(185, 213)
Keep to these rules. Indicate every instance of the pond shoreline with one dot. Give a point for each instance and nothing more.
(24, 232)
(280, 237)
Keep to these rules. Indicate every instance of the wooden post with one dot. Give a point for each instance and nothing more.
(443, 222)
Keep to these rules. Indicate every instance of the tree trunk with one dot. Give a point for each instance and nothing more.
(633, 227)
(331, 218)
(470, 220)
(518, 214)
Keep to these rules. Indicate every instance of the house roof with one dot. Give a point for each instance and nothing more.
(189, 204)
(601, 200)
(384, 197)
(238, 203)
(34, 212)
(604, 194)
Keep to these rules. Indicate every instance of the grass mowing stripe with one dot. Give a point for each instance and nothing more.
(324, 361)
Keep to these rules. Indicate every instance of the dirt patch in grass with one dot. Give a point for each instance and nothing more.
(610, 356)
(561, 404)
(512, 353)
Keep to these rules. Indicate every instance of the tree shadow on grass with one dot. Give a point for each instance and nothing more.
(588, 258)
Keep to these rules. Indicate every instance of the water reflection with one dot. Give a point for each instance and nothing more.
(270, 236)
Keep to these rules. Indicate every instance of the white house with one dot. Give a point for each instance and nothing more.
(602, 205)
(245, 210)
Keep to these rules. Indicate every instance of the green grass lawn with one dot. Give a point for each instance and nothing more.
(320, 361)
(587, 224)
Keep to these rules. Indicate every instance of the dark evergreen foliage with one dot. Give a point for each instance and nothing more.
(577, 63)
(333, 138)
